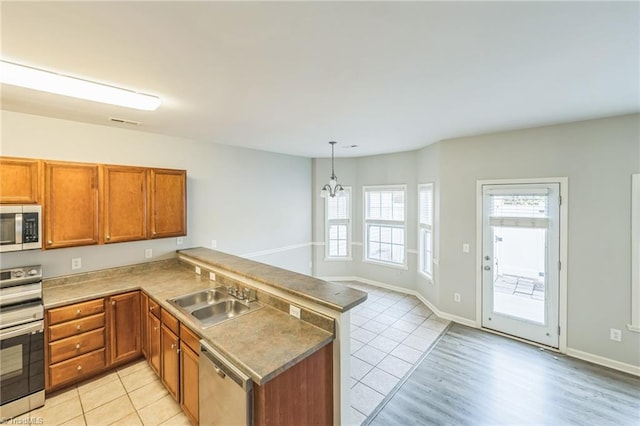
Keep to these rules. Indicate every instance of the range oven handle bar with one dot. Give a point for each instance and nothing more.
(8, 333)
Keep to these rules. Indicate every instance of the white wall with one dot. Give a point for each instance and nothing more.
(249, 201)
(597, 156)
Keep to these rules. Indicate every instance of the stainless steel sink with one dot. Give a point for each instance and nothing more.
(198, 298)
(221, 311)
(212, 306)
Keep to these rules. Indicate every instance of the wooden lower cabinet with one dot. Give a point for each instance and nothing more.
(124, 327)
(154, 332)
(189, 373)
(170, 373)
(75, 342)
(302, 395)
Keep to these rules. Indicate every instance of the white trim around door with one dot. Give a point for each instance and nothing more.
(562, 296)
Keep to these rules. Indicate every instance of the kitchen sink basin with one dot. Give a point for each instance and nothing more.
(203, 297)
(212, 306)
(221, 311)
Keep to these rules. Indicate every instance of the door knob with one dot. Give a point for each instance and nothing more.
(487, 268)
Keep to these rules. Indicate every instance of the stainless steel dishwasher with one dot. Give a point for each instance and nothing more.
(226, 393)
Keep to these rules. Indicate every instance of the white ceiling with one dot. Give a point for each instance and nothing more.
(290, 76)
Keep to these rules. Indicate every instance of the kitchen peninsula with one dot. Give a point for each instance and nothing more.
(272, 347)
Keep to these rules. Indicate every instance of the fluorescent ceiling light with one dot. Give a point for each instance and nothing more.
(33, 78)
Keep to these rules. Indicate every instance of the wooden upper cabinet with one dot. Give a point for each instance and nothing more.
(124, 203)
(19, 180)
(168, 202)
(71, 212)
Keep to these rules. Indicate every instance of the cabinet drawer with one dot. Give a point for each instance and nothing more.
(78, 310)
(154, 308)
(72, 328)
(76, 368)
(190, 338)
(76, 345)
(170, 322)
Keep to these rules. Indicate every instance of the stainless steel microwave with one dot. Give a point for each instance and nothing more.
(20, 227)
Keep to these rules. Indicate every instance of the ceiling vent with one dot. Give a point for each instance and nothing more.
(123, 121)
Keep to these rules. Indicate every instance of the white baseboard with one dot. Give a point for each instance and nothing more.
(428, 304)
(606, 362)
(585, 356)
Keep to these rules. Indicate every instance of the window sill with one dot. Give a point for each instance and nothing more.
(426, 277)
(387, 264)
(634, 328)
(338, 259)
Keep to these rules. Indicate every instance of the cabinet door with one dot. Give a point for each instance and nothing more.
(170, 361)
(71, 204)
(144, 326)
(19, 180)
(124, 326)
(168, 195)
(124, 203)
(154, 342)
(189, 382)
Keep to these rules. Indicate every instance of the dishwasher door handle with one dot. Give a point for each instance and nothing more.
(219, 372)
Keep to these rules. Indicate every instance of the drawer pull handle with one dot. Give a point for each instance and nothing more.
(78, 346)
(78, 327)
(79, 368)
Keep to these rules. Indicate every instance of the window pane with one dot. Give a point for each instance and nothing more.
(427, 259)
(535, 206)
(385, 234)
(398, 236)
(398, 254)
(385, 242)
(426, 204)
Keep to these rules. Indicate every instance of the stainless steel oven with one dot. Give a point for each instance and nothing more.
(20, 227)
(21, 341)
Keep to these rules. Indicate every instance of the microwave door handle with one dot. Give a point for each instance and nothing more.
(19, 228)
(20, 330)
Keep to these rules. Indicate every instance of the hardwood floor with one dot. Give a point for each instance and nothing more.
(473, 377)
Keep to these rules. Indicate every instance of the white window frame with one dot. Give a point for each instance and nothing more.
(388, 223)
(328, 222)
(422, 227)
(635, 253)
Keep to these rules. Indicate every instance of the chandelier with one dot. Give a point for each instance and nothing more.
(333, 187)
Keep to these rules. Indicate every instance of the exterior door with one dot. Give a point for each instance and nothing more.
(521, 260)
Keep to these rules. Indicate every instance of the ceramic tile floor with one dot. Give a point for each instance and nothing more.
(390, 333)
(131, 395)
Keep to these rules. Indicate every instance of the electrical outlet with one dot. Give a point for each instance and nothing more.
(615, 335)
(198, 270)
(212, 276)
(456, 297)
(76, 263)
(295, 311)
(148, 253)
(179, 241)
(465, 248)
(214, 244)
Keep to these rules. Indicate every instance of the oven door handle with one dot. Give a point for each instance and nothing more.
(19, 330)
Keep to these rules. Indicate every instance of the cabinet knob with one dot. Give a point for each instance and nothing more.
(49, 242)
(78, 327)
(108, 237)
(155, 328)
(79, 311)
(113, 302)
(151, 308)
(173, 346)
(79, 368)
(77, 345)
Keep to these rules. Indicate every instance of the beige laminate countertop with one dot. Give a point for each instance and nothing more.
(334, 296)
(263, 343)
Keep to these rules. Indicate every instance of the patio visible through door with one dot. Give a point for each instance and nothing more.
(520, 260)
